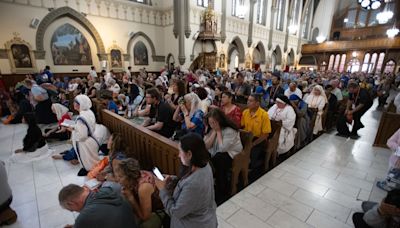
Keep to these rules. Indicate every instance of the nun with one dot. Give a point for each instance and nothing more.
(302, 119)
(317, 99)
(85, 144)
(283, 111)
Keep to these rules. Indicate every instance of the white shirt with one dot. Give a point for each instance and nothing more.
(93, 73)
(298, 92)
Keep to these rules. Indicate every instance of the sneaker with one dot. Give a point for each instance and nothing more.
(82, 172)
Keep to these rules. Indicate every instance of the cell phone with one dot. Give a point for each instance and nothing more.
(158, 174)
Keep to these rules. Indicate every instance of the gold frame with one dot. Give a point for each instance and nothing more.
(14, 69)
(114, 46)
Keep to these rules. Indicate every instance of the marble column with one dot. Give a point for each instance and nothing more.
(176, 18)
(181, 32)
(271, 25)
(223, 22)
(251, 23)
(187, 18)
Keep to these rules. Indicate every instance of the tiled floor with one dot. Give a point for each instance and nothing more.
(320, 186)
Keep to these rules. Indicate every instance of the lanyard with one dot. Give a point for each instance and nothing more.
(355, 100)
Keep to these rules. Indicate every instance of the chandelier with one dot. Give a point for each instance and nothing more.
(391, 33)
(384, 17)
(370, 4)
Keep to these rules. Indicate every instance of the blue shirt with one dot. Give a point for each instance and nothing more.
(112, 106)
(197, 119)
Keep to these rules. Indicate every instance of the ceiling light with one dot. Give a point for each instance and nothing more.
(384, 17)
(370, 4)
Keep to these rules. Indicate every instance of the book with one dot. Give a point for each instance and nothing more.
(68, 123)
(92, 184)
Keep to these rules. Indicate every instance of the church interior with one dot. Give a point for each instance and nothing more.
(200, 113)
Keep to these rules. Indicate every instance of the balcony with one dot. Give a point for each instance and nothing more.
(342, 46)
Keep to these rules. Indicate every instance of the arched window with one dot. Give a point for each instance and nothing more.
(261, 11)
(337, 61)
(372, 63)
(330, 64)
(365, 63)
(238, 8)
(280, 14)
(380, 62)
(296, 11)
(202, 3)
(307, 20)
(342, 62)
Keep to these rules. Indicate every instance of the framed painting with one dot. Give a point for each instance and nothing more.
(140, 54)
(70, 47)
(116, 57)
(21, 56)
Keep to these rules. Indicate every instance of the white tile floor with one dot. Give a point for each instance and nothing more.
(320, 186)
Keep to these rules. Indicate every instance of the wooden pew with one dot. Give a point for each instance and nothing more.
(272, 145)
(388, 125)
(150, 148)
(240, 163)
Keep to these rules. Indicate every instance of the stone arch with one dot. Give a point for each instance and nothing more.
(260, 47)
(236, 44)
(290, 59)
(278, 55)
(170, 59)
(154, 56)
(197, 42)
(74, 15)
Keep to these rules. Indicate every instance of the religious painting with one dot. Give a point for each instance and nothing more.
(116, 58)
(222, 61)
(21, 56)
(140, 54)
(70, 47)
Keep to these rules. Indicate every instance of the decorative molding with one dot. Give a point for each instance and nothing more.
(147, 38)
(158, 58)
(3, 54)
(181, 59)
(14, 68)
(39, 54)
(114, 46)
(187, 18)
(76, 16)
(127, 57)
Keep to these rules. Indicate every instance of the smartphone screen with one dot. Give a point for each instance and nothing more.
(158, 174)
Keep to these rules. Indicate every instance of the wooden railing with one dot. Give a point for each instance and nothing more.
(331, 46)
(389, 124)
(150, 148)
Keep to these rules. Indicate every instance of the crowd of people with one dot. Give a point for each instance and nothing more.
(202, 110)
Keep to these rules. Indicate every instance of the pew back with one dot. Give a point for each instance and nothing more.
(150, 148)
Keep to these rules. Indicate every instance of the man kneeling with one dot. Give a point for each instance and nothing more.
(105, 208)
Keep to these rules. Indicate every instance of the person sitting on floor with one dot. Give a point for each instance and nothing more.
(59, 132)
(223, 143)
(103, 208)
(256, 120)
(283, 111)
(379, 215)
(83, 140)
(33, 139)
(393, 177)
(7, 215)
(138, 187)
